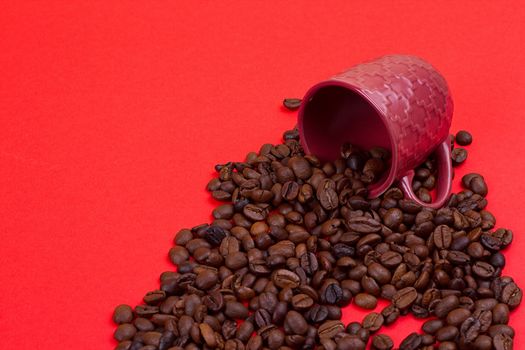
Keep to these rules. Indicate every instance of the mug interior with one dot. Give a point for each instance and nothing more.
(332, 115)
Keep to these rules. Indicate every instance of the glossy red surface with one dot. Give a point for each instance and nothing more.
(114, 113)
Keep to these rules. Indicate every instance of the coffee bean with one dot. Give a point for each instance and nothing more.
(411, 342)
(123, 314)
(500, 314)
(457, 316)
(442, 237)
(365, 301)
(381, 274)
(447, 333)
(125, 331)
(327, 195)
(502, 342)
(302, 302)
(459, 155)
(470, 329)
(363, 224)
(262, 318)
(331, 293)
(404, 297)
(483, 269)
(292, 103)
(463, 138)
(285, 279)
(446, 305)
(236, 310)
(511, 295)
(294, 323)
(373, 321)
(382, 342)
(329, 329)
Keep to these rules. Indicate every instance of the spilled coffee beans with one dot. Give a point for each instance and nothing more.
(295, 240)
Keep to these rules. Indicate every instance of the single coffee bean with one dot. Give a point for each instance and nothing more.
(382, 342)
(457, 316)
(294, 323)
(363, 224)
(292, 103)
(331, 293)
(500, 314)
(329, 329)
(125, 331)
(447, 333)
(502, 342)
(411, 342)
(458, 155)
(470, 329)
(373, 321)
(262, 318)
(365, 301)
(236, 310)
(123, 314)
(404, 297)
(443, 237)
(483, 342)
(463, 138)
(285, 279)
(302, 302)
(446, 305)
(390, 314)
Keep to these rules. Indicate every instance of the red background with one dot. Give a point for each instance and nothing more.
(113, 115)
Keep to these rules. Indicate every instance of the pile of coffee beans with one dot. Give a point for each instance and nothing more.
(296, 240)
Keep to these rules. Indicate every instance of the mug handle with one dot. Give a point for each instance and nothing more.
(444, 178)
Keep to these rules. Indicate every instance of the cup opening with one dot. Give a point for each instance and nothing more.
(334, 114)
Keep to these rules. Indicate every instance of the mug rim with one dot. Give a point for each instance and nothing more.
(374, 190)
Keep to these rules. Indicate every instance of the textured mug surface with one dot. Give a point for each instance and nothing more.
(415, 108)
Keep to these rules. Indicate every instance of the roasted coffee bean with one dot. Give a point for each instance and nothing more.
(500, 314)
(373, 321)
(457, 316)
(365, 301)
(502, 342)
(331, 293)
(329, 329)
(318, 313)
(511, 295)
(236, 310)
(382, 342)
(463, 138)
(363, 224)
(458, 155)
(302, 302)
(292, 103)
(123, 314)
(470, 329)
(125, 331)
(443, 237)
(404, 297)
(285, 279)
(294, 323)
(445, 305)
(447, 333)
(411, 342)
(262, 318)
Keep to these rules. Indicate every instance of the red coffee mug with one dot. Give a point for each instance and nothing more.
(398, 102)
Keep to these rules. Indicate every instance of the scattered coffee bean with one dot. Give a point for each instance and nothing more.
(292, 103)
(459, 155)
(382, 342)
(463, 138)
